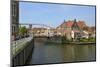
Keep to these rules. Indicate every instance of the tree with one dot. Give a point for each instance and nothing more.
(93, 28)
(86, 28)
(22, 31)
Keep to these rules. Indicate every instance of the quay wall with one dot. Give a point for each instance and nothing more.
(23, 56)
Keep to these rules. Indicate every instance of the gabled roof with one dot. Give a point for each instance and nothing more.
(81, 24)
(69, 23)
(75, 23)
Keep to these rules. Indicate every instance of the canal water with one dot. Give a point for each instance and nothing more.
(45, 53)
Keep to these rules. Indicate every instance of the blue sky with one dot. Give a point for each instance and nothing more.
(54, 14)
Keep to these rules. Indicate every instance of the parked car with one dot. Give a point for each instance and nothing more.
(17, 38)
(26, 35)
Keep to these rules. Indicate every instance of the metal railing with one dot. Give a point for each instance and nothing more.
(19, 44)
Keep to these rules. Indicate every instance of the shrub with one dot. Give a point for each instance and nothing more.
(87, 40)
(65, 40)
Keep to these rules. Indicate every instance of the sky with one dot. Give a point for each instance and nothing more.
(54, 14)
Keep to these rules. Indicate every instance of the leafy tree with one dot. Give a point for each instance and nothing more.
(86, 28)
(93, 28)
(22, 30)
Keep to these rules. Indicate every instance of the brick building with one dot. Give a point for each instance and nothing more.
(67, 28)
(14, 18)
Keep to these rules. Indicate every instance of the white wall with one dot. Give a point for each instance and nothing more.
(5, 33)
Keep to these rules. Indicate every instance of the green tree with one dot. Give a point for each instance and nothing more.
(22, 31)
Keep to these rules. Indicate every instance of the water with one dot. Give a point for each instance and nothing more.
(45, 53)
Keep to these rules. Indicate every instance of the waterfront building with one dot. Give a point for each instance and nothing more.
(14, 17)
(71, 29)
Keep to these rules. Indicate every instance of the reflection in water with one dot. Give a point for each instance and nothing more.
(56, 53)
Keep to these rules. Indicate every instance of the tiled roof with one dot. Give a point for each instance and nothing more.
(69, 23)
(81, 24)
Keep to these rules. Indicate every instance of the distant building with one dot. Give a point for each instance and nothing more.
(71, 29)
(85, 34)
(81, 24)
(43, 32)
